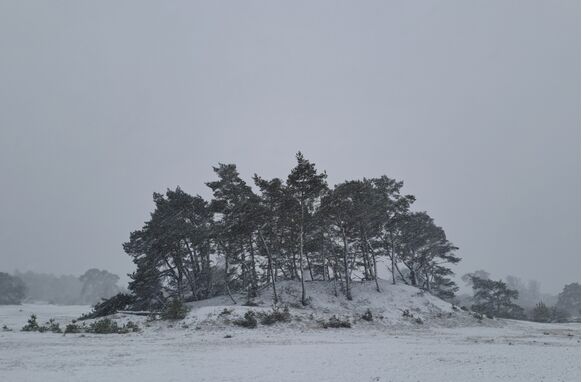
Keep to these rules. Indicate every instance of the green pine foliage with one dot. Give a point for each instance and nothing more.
(248, 321)
(276, 315)
(335, 322)
(495, 299)
(31, 325)
(175, 310)
(294, 228)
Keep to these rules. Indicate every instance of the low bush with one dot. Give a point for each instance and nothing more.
(249, 321)
(104, 326)
(175, 310)
(73, 328)
(132, 327)
(225, 312)
(108, 326)
(52, 326)
(335, 322)
(31, 325)
(275, 316)
(368, 316)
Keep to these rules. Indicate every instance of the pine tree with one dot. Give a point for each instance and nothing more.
(234, 230)
(495, 298)
(306, 187)
(393, 206)
(423, 248)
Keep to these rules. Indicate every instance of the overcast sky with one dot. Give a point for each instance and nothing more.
(474, 104)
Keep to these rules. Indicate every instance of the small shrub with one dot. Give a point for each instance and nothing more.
(72, 328)
(368, 316)
(53, 326)
(225, 312)
(406, 313)
(132, 327)
(249, 321)
(108, 326)
(6, 328)
(32, 324)
(335, 322)
(275, 316)
(175, 310)
(103, 326)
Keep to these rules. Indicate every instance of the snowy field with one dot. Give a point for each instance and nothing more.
(511, 351)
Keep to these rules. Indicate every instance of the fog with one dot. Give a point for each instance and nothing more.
(474, 105)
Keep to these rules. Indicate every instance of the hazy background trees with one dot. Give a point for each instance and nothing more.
(514, 298)
(12, 289)
(87, 289)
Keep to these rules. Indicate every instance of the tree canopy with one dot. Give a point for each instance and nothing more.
(293, 228)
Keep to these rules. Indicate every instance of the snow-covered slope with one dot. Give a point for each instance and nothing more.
(394, 306)
(214, 350)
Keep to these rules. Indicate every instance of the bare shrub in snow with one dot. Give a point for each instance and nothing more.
(368, 316)
(335, 322)
(249, 320)
(275, 316)
(31, 325)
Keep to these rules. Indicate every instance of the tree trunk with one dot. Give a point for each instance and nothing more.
(374, 264)
(226, 286)
(303, 299)
(309, 267)
(253, 270)
(392, 258)
(270, 265)
(375, 272)
(347, 271)
(412, 277)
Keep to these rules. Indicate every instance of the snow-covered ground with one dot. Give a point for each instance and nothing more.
(445, 347)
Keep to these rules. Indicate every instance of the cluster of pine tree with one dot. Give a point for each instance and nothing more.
(293, 229)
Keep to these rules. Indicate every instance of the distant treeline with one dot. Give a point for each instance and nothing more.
(88, 288)
(296, 228)
(516, 299)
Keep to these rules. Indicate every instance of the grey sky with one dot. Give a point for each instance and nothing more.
(474, 104)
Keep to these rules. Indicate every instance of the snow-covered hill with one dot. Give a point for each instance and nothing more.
(394, 306)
